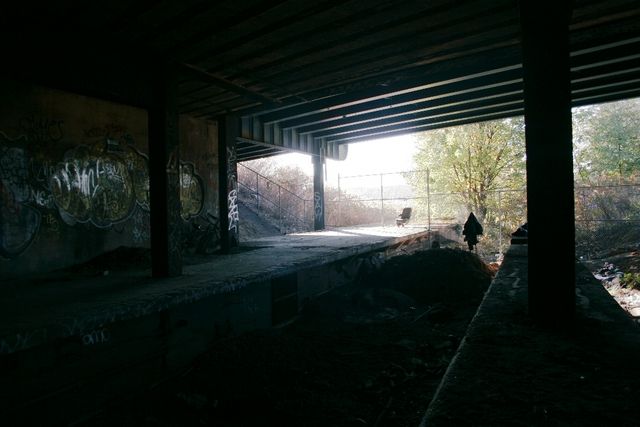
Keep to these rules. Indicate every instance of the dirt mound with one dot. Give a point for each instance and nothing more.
(435, 275)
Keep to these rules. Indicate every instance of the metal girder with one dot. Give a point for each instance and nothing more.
(599, 73)
(242, 157)
(339, 106)
(437, 125)
(431, 123)
(619, 48)
(323, 73)
(461, 102)
(256, 156)
(430, 97)
(606, 93)
(613, 70)
(430, 85)
(388, 82)
(200, 45)
(331, 24)
(225, 84)
(247, 150)
(434, 105)
(451, 112)
(308, 146)
(378, 48)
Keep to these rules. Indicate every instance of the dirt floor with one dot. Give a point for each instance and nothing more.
(368, 354)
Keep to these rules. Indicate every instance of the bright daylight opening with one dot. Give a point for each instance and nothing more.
(444, 174)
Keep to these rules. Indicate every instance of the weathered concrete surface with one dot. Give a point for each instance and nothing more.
(36, 312)
(74, 178)
(510, 371)
(68, 347)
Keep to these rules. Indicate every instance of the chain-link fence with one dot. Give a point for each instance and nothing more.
(378, 199)
(289, 211)
(607, 218)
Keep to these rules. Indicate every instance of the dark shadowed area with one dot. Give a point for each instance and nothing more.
(368, 353)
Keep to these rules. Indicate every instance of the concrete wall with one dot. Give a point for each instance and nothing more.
(74, 178)
(65, 380)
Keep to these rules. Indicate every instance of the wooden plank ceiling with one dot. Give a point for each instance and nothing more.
(304, 74)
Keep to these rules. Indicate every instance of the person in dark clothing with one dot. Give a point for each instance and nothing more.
(472, 229)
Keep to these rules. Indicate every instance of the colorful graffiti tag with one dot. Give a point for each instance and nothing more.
(94, 188)
(100, 187)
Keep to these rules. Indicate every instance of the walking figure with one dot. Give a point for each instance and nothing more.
(472, 229)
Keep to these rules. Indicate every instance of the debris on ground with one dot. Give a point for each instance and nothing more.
(371, 353)
(619, 273)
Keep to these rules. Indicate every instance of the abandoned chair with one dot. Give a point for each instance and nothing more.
(404, 217)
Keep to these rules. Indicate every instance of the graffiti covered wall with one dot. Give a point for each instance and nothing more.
(198, 171)
(74, 180)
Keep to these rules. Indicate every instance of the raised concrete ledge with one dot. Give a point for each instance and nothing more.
(509, 371)
(36, 314)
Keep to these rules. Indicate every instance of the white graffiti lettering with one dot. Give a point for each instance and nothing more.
(97, 336)
(93, 188)
(233, 210)
(231, 156)
(317, 205)
(21, 342)
(42, 198)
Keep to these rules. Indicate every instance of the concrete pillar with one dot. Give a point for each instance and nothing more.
(164, 175)
(550, 202)
(228, 131)
(318, 189)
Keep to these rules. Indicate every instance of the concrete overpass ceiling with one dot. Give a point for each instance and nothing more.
(329, 72)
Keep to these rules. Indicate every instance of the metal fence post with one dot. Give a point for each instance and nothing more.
(428, 202)
(280, 205)
(257, 193)
(304, 210)
(500, 222)
(339, 221)
(381, 201)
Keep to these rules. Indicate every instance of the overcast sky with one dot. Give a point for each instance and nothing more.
(374, 157)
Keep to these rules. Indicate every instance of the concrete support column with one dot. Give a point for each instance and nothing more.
(550, 202)
(164, 175)
(228, 131)
(318, 190)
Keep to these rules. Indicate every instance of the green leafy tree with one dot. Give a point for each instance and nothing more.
(478, 168)
(607, 142)
(606, 154)
(473, 161)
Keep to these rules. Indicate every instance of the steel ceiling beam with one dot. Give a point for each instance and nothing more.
(449, 110)
(404, 130)
(380, 97)
(422, 122)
